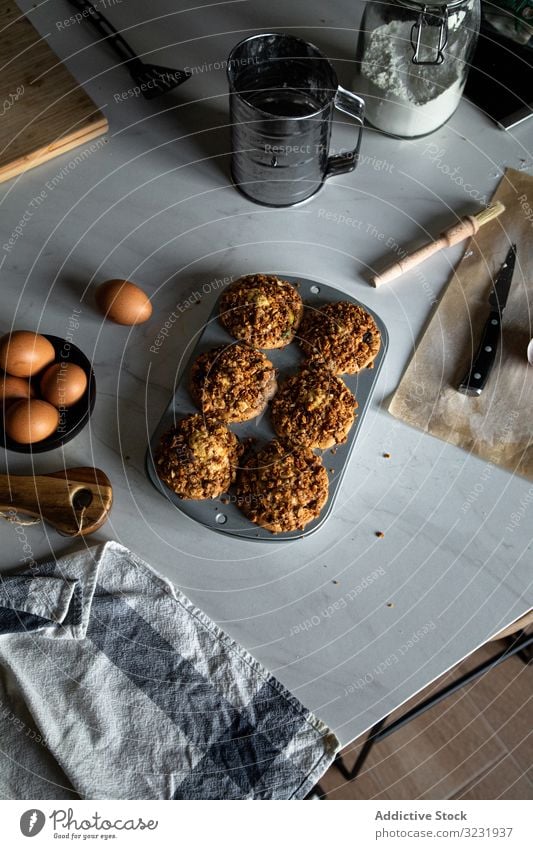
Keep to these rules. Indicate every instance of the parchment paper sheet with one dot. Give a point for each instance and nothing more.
(497, 425)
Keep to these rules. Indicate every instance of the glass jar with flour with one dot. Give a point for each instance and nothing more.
(413, 60)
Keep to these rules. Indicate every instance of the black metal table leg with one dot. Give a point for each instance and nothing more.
(521, 646)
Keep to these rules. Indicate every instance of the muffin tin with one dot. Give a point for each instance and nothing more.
(221, 514)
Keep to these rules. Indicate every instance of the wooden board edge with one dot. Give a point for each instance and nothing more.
(51, 151)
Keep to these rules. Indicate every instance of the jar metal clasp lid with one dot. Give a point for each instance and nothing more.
(416, 35)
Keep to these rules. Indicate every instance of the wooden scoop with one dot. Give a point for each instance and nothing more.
(75, 501)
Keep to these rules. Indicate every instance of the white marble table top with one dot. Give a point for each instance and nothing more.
(351, 623)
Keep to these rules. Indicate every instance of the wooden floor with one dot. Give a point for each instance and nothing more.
(477, 744)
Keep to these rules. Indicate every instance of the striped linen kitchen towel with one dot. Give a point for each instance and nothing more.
(113, 685)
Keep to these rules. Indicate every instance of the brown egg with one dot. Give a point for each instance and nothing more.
(13, 389)
(31, 421)
(23, 353)
(63, 384)
(123, 302)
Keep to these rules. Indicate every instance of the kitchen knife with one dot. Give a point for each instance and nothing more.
(476, 377)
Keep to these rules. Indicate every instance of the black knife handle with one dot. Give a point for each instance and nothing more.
(476, 377)
(105, 28)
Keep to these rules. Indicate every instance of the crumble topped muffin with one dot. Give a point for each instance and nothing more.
(342, 335)
(233, 383)
(282, 491)
(262, 310)
(314, 408)
(198, 457)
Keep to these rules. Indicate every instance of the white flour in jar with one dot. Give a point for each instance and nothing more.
(405, 99)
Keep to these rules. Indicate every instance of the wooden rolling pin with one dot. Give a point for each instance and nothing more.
(75, 501)
(468, 226)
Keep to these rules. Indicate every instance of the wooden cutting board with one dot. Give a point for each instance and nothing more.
(495, 425)
(43, 110)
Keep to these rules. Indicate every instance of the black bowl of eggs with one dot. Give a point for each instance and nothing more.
(47, 391)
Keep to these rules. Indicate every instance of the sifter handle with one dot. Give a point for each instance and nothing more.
(354, 106)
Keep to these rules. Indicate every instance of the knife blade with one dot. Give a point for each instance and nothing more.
(478, 373)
